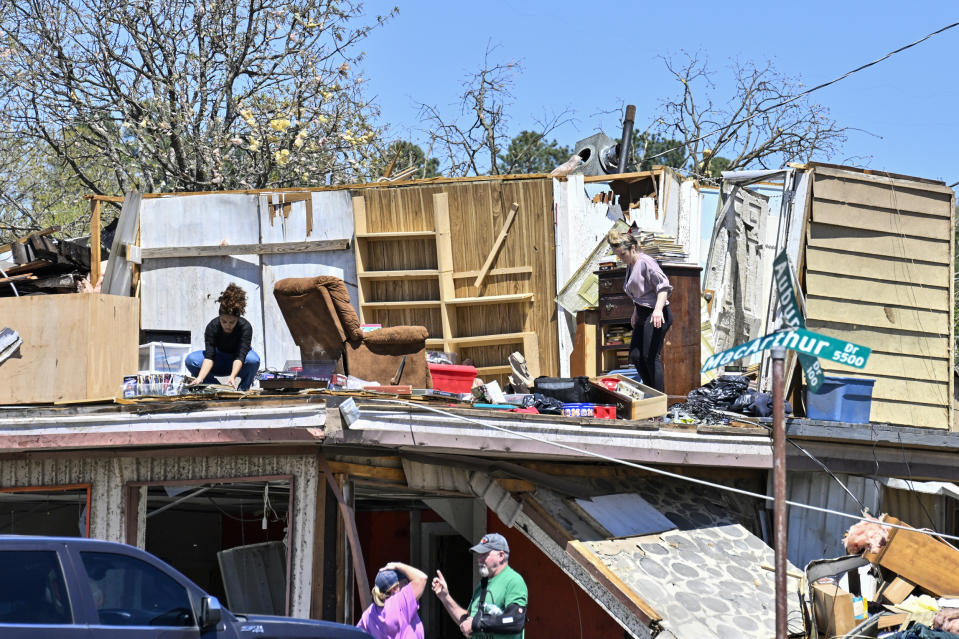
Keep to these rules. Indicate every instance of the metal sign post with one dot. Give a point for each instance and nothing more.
(779, 485)
(810, 346)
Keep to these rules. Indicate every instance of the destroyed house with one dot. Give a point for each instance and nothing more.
(285, 503)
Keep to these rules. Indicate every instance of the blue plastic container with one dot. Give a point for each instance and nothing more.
(577, 409)
(841, 399)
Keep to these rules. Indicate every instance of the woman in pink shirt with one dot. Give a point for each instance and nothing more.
(394, 613)
(649, 288)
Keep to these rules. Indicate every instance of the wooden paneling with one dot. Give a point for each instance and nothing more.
(476, 212)
(75, 347)
(878, 272)
(832, 285)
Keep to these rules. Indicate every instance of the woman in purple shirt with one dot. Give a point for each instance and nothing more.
(394, 613)
(649, 288)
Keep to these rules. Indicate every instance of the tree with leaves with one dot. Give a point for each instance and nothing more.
(401, 155)
(189, 96)
(530, 152)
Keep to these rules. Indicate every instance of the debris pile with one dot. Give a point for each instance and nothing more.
(39, 264)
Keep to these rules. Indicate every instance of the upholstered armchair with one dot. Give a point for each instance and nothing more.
(325, 326)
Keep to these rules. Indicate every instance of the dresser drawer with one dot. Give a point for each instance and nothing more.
(615, 307)
(611, 285)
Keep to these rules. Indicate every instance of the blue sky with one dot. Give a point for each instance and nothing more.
(594, 57)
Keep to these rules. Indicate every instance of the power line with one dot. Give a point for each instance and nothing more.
(651, 469)
(808, 91)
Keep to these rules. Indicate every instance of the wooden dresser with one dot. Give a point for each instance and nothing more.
(681, 360)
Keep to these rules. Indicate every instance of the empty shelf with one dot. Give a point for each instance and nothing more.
(491, 299)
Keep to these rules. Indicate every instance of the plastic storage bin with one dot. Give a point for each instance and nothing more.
(578, 409)
(452, 378)
(163, 357)
(842, 399)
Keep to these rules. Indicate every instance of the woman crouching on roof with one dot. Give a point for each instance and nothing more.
(227, 345)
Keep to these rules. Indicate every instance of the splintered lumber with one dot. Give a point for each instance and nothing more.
(496, 245)
(920, 559)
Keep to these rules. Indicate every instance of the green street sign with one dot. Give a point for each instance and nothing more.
(800, 340)
(792, 315)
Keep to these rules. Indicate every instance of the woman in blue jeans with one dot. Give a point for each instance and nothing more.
(227, 345)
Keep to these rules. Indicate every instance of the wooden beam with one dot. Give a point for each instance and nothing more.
(319, 551)
(369, 472)
(94, 242)
(616, 586)
(26, 238)
(497, 245)
(244, 249)
(509, 270)
(349, 521)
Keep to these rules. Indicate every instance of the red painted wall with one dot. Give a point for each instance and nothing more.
(557, 606)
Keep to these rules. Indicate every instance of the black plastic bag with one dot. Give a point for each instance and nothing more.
(547, 405)
(757, 404)
(719, 394)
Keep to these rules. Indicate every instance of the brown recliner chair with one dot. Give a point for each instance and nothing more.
(325, 326)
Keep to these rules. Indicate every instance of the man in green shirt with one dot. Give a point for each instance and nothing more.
(498, 607)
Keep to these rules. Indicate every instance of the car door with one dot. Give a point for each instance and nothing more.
(136, 599)
(34, 599)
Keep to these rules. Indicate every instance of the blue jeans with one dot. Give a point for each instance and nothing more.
(223, 365)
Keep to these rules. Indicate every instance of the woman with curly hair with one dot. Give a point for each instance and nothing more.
(648, 287)
(227, 344)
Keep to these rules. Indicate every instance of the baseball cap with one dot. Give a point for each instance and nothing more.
(386, 579)
(491, 541)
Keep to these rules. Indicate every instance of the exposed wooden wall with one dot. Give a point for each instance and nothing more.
(477, 211)
(879, 272)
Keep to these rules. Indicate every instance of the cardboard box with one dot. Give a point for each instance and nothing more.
(76, 347)
(833, 610)
(920, 559)
(654, 405)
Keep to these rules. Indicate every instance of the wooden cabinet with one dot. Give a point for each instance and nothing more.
(681, 354)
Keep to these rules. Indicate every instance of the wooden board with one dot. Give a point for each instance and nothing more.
(893, 194)
(877, 315)
(516, 296)
(245, 249)
(857, 240)
(923, 560)
(75, 347)
(910, 271)
(837, 286)
(855, 215)
(885, 340)
(907, 414)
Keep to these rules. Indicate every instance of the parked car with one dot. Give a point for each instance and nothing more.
(64, 587)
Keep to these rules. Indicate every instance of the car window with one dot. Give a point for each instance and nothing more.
(131, 592)
(32, 589)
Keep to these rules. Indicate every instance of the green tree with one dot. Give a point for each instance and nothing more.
(647, 149)
(401, 155)
(180, 95)
(530, 152)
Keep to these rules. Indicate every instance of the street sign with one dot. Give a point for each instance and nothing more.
(800, 340)
(792, 315)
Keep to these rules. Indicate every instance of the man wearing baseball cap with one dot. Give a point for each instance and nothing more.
(498, 607)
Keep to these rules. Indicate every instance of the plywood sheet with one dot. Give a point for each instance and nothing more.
(75, 347)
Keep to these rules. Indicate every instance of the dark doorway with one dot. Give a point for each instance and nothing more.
(451, 555)
(58, 511)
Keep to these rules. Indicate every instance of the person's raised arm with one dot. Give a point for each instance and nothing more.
(459, 614)
(415, 576)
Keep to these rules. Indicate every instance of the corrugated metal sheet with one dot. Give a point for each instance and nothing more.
(110, 475)
(919, 510)
(815, 535)
(180, 293)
